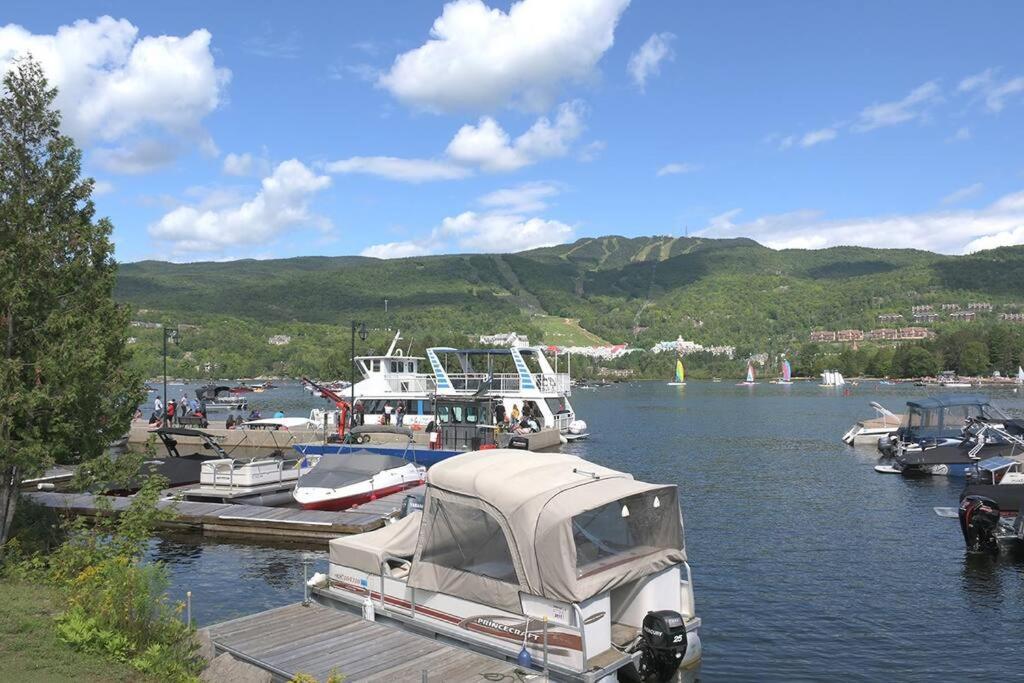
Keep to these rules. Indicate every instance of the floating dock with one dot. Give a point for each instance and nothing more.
(317, 640)
(226, 519)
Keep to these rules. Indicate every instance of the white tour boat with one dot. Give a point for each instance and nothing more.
(520, 378)
(541, 559)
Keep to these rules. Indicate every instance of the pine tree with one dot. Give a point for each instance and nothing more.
(65, 387)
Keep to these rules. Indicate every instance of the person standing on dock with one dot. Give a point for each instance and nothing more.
(400, 413)
(515, 414)
(387, 412)
(170, 413)
(158, 407)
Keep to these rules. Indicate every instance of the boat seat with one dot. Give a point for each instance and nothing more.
(400, 572)
(623, 635)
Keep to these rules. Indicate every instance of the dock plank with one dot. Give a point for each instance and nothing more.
(316, 640)
(231, 519)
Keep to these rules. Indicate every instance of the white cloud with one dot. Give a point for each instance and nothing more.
(504, 227)
(478, 57)
(963, 193)
(646, 61)
(676, 168)
(787, 142)
(526, 198)
(818, 136)
(963, 231)
(136, 158)
(395, 168)
(281, 203)
(245, 164)
(488, 146)
(911, 107)
(395, 250)
(113, 84)
(991, 89)
(962, 134)
(485, 146)
(102, 187)
(592, 150)
(498, 232)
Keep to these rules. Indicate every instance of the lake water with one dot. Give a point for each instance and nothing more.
(807, 564)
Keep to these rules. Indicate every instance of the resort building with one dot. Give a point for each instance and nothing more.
(823, 336)
(883, 334)
(850, 335)
(509, 339)
(279, 340)
(964, 316)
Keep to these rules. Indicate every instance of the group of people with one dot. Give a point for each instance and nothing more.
(528, 420)
(172, 414)
(398, 412)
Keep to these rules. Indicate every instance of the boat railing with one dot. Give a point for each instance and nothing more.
(471, 382)
(254, 467)
(561, 421)
(412, 384)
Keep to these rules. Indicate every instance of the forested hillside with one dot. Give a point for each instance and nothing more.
(637, 290)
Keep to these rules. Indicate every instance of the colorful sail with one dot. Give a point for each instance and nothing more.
(750, 372)
(787, 371)
(680, 372)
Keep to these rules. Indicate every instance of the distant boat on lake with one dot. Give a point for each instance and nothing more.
(680, 380)
(787, 374)
(749, 382)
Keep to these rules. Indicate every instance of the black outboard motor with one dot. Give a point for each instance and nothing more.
(979, 519)
(662, 646)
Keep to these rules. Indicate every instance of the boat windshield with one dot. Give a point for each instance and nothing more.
(626, 529)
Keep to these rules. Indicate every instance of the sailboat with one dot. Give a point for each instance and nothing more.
(749, 382)
(1020, 375)
(680, 380)
(787, 373)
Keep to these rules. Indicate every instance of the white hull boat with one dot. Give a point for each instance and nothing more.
(338, 482)
(869, 431)
(539, 559)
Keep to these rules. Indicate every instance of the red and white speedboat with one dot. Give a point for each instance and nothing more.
(340, 481)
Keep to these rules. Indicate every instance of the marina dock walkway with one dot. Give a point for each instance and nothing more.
(317, 640)
(273, 523)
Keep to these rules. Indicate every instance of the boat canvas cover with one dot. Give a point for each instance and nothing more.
(996, 463)
(336, 471)
(366, 552)
(502, 521)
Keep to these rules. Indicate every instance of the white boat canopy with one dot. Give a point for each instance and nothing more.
(500, 521)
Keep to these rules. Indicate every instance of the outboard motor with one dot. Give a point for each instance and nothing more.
(979, 519)
(662, 646)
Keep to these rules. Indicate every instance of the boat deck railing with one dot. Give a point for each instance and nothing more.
(471, 382)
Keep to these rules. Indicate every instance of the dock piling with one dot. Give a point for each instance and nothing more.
(188, 607)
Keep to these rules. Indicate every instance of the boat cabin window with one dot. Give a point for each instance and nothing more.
(626, 529)
(375, 365)
(469, 540)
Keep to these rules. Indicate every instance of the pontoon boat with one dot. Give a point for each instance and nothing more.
(536, 558)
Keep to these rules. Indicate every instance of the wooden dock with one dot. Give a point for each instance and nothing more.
(277, 523)
(317, 640)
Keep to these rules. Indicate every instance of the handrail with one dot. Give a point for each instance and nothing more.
(583, 633)
(385, 558)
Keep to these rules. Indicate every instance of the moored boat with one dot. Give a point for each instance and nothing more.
(533, 558)
(885, 423)
(340, 482)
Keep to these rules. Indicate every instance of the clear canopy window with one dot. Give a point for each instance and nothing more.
(626, 529)
(468, 539)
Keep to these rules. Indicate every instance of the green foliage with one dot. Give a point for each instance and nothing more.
(641, 290)
(915, 361)
(65, 387)
(332, 677)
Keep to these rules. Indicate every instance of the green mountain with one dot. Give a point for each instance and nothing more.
(638, 290)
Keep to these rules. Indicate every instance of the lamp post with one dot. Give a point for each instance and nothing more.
(170, 333)
(352, 360)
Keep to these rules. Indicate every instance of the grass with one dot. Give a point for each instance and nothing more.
(30, 650)
(565, 332)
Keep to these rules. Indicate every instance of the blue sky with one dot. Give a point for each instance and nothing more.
(233, 130)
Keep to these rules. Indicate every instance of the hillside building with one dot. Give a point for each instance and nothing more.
(980, 306)
(911, 333)
(508, 339)
(925, 317)
(890, 317)
(1012, 317)
(963, 316)
(849, 335)
(883, 334)
(825, 336)
(279, 340)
